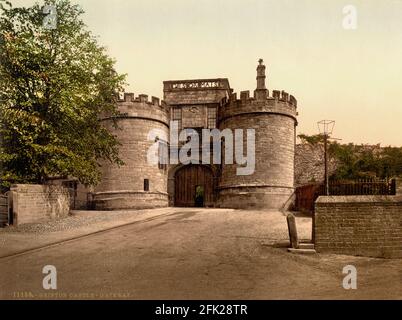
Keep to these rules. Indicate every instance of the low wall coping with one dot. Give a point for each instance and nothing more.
(37, 188)
(359, 199)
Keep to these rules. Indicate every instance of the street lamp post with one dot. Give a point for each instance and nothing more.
(325, 128)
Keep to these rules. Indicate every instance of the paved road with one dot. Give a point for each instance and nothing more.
(196, 254)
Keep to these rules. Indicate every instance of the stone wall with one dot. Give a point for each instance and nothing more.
(359, 225)
(309, 164)
(82, 197)
(38, 203)
(195, 116)
(398, 186)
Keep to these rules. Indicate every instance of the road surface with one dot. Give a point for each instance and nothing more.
(196, 254)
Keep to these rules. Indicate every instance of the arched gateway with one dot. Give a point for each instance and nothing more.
(194, 186)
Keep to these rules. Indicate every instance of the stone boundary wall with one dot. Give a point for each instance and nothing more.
(39, 203)
(359, 225)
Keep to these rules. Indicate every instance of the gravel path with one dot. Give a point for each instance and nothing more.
(77, 219)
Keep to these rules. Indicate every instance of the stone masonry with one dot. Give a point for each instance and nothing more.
(39, 203)
(274, 121)
(359, 225)
(200, 104)
(309, 164)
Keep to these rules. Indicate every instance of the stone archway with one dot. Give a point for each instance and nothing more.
(186, 180)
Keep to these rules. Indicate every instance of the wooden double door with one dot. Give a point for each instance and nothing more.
(194, 186)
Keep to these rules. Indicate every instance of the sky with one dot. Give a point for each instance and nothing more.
(352, 76)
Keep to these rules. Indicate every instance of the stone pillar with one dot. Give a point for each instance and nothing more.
(398, 186)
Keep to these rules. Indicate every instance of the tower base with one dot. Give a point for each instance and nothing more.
(126, 200)
(254, 197)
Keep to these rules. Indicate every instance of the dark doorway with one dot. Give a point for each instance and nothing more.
(194, 186)
(199, 196)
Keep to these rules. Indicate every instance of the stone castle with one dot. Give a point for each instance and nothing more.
(198, 104)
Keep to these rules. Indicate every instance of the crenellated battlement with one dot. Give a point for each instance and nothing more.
(277, 95)
(141, 107)
(280, 102)
(284, 96)
(129, 97)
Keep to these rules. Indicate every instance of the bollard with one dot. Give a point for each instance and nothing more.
(294, 241)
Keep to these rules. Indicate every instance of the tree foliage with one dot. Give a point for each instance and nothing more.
(313, 139)
(54, 85)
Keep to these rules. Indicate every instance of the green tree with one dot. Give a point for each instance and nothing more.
(313, 139)
(54, 85)
(391, 162)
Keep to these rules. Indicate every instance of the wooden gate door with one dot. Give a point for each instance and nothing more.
(306, 196)
(189, 180)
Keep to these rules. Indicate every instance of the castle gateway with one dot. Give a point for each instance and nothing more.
(197, 105)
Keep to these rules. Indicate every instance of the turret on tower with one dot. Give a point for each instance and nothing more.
(261, 93)
(274, 120)
(138, 184)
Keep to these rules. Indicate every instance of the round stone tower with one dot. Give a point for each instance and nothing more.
(274, 120)
(138, 183)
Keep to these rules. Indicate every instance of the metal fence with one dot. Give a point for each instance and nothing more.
(360, 187)
(307, 195)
